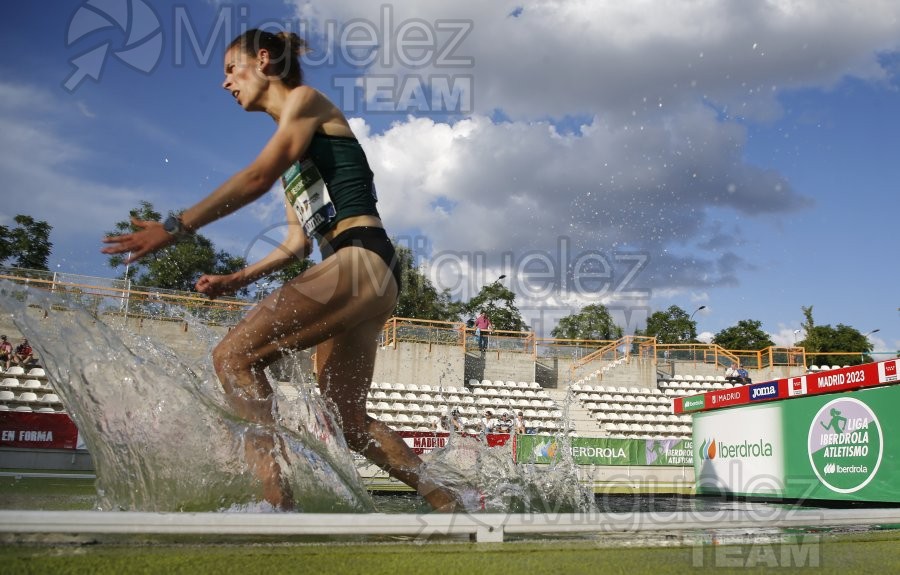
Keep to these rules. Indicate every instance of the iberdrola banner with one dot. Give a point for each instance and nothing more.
(605, 450)
(841, 446)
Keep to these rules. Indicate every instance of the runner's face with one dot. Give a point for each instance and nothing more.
(241, 78)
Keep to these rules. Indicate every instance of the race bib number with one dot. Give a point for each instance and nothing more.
(306, 191)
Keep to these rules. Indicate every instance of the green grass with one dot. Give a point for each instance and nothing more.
(876, 552)
(47, 494)
(844, 551)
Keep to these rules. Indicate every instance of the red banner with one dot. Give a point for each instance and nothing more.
(844, 379)
(425, 441)
(37, 430)
(727, 397)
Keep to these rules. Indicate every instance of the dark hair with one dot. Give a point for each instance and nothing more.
(285, 49)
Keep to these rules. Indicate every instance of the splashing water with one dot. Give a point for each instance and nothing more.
(488, 479)
(159, 431)
(163, 438)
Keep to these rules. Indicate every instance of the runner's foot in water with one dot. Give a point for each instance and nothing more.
(261, 457)
(447, 500)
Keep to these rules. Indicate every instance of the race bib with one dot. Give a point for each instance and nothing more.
(307, 193)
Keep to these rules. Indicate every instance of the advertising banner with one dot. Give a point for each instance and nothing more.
(887, 371)
(840, 446)
(836, 380)
(37, 430)
(739, 451)
(605, 450)
(426, 441)
(844, 446)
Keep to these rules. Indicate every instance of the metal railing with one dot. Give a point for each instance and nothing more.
(106, 296)
(116, 298)
(610, 352)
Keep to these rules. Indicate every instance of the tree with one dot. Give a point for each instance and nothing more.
(419, 299)
(265, 286)
(178, 266)
(747, 334)
(671, 326)
(290, 271)
(28, 244)
(499, 303)
(821, 339)
(592, 322)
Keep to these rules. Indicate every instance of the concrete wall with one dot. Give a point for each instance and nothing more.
(46, 459)
(756, 375)
(503, 366)
(433, 364)
(178, 335)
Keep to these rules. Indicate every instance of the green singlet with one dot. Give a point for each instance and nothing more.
(331, 182)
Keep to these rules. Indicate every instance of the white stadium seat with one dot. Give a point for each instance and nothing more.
(50, 398)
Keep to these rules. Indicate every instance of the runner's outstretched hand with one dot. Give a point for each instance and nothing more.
(149, 238)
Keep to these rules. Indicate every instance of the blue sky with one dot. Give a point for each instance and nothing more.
(737, 155)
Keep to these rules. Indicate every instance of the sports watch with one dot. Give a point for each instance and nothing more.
(175, 227)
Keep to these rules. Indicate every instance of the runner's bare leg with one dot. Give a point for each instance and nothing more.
(340, 306)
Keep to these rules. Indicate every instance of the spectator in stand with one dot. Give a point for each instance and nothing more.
(488, 422)
(456, 422)
(6, 352)
(482, 327)
(24, 355)
(505, 424)
(520, 424)
(743, 376)
(731, 374)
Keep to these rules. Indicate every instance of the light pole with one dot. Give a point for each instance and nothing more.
(696, 310)
(694, 349)
(261, 289)
(866, 337)
(796, 333)
(127, 288)
(492, 284)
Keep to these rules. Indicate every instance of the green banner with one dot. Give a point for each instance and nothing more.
(844, 446)
(694, 402)
(605, 450)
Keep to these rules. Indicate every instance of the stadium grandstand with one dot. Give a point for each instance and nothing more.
(427, 369)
